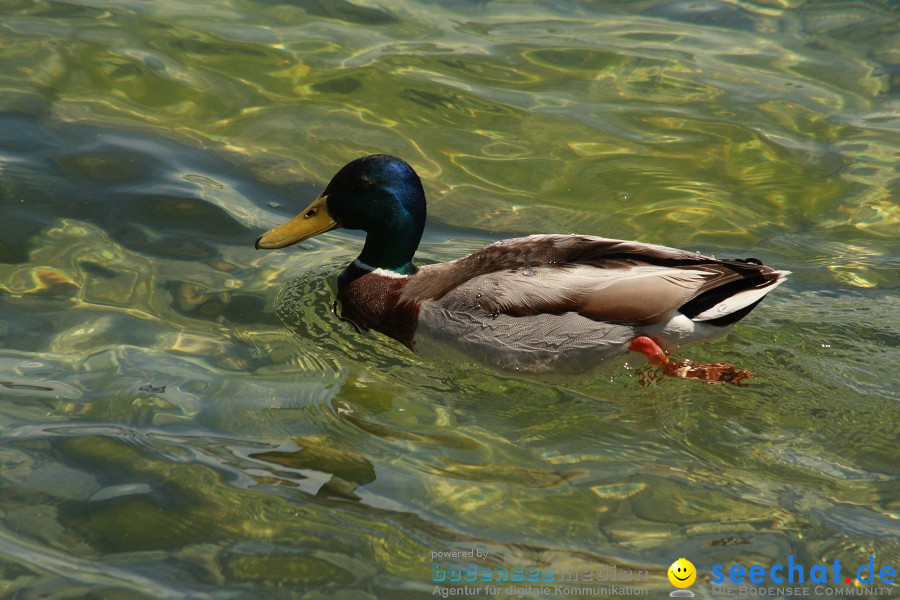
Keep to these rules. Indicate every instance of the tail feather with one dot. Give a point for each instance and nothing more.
(729, 303)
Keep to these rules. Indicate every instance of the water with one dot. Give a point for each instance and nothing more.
(183, 415)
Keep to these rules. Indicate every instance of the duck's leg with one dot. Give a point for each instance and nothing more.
(650, 349)
(711, 372)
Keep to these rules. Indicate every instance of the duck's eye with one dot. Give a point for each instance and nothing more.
(311, 213)
(364, 184)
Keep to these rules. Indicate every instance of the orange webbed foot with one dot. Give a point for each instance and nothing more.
(722, 372)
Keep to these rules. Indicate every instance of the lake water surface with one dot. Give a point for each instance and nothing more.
(184, 416)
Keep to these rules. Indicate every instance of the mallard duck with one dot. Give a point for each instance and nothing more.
(562, 303)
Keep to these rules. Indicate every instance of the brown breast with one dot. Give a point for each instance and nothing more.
(373, 301)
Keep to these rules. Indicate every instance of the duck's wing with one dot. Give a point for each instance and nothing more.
(602, 279)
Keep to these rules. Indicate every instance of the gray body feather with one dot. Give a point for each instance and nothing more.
(562, 303)
(527, 312)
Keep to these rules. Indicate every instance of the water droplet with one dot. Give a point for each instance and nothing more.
(275, 204)
(623, 197)
(824, 345)
(528, 272)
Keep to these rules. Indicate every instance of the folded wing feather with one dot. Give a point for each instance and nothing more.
(599, 278)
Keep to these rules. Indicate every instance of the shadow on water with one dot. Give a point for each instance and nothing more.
(150, 195)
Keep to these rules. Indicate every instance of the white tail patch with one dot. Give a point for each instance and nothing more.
(740, 300)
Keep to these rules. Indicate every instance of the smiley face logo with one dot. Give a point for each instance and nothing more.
(682, 573)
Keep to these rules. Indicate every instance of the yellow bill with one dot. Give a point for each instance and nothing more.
(312, 221)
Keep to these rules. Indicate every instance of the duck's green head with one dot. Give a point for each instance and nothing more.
(379, 194)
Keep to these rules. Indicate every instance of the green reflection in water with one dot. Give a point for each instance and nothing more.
(184, 415)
